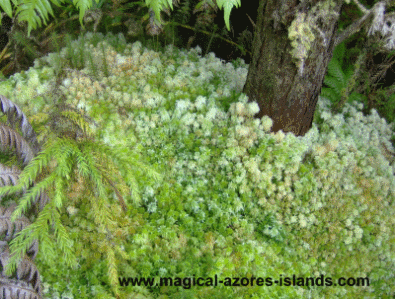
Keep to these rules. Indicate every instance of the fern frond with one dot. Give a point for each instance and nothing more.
(16, 117)
(100, 211)
(9, 175)
(19, 246)
(83, 167)
(125, 160)
(335, 71)
(48, 218)
(17, 288)
(47, 245)
(28, 9)
(59, 191)
(94, 173)
(10, 139)
(63, 239)
(158, 5)
(334, 84)
(64, 154)
(331, 94)
(228, 5)
(82, 6)
(6, 6)
(121, 252)
(125, 163)
(338, 80)
(11, 184)
(30, 172)
(120, 198)
(112, 268)
(79, 120)
(26, 269)
(32, 195)
(10, 228)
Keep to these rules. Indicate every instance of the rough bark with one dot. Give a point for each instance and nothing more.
(286, 87)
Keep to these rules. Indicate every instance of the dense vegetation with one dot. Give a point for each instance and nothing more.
(236, 200)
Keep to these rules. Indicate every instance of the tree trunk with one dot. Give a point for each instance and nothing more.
(292, 47)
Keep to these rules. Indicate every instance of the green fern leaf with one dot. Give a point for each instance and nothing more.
(79, 120)
(227, 5)
(6, 6)
(82, 6)
(349, 71)
(27, 12)
(330, 94)
(26, 201)
(112, 268)
(335, 70)
(334, 83)
(158, 5)
(337, 79)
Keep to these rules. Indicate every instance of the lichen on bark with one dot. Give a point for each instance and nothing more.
(306, 26)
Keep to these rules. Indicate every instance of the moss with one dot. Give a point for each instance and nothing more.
(237, 200)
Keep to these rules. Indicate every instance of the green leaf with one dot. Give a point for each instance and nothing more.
(158, 5)
(6, 6)
(227, 5)
(28, 12)
(82, 6)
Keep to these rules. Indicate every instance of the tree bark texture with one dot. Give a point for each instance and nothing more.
(287, 88)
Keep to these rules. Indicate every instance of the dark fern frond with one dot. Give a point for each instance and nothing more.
(17, 118)
(10, 139)
(26, 270)
(10, 228)
(9, 175)
(13, 288)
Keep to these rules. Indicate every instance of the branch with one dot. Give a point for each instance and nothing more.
(357, 25)
(120, 198)
(361, 7)
(252, 22)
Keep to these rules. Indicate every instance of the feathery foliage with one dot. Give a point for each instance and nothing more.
(26, 11)
(228, 5)
(36, 12)
(340, 79)
(64, 160)
(159, 5)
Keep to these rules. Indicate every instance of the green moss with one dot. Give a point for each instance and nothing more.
(236, 201)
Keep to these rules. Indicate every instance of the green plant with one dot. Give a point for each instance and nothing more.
(383, 99)
(26, 10)
(340, 80)
(70, 155)
(236, 200)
